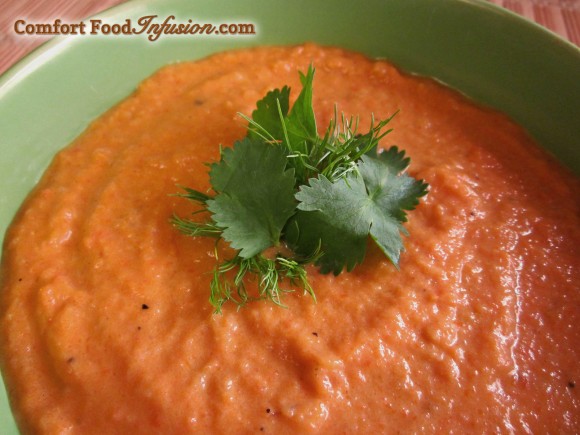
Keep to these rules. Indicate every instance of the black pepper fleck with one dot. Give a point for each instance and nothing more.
(315, 334)
(268, 410)
(70, 360)
(199, 102)
(261, 429)
(571, 384)
(145, 307)
(138, 328)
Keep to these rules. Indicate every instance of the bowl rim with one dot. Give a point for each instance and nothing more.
(25, 65)
(20, 70)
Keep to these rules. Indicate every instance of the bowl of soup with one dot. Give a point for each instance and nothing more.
(105, 322)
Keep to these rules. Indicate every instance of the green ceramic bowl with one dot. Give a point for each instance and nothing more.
(489, 54)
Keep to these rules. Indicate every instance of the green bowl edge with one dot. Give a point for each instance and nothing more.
(552, 120)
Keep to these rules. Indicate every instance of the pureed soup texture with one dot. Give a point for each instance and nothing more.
(106, 325)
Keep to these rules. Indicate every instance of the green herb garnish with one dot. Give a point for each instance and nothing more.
(285, 197)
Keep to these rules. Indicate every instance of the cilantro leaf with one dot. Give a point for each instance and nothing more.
(334, 216)
(393, 158)
(301, 123)
(255, 195)
(392, 189)
(309, 231)
(372, 202)
(267, 115)
(271, 122)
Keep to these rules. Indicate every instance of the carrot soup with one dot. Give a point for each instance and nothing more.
(105, 325)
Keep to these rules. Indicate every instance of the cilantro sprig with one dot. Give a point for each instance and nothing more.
(284, 197)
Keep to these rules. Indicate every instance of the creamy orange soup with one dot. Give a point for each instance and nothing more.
(105, 322)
